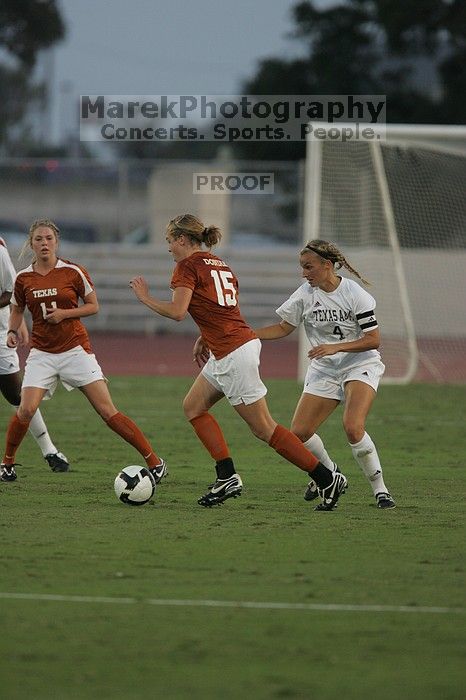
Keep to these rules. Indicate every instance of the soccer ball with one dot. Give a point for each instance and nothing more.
(134, 485)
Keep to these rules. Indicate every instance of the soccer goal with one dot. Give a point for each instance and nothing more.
(396, 206)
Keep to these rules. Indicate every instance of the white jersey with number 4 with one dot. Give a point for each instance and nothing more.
(333, 317)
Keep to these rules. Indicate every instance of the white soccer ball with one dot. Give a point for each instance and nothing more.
(134, 485)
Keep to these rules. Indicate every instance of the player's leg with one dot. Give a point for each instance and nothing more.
(330, 484)
(263, 426)
(321, 395)
(17, 429)
(79, 369)
(311, 411)
(10, 386)
(98, 395)
(203, 394)
(40, 372)
(196, 406)
(359, 399)
(240, 380)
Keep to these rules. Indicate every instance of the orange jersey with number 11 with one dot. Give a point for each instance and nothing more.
(214, 303)
(61, 288)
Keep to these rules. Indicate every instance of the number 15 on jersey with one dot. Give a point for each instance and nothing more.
(226, 292)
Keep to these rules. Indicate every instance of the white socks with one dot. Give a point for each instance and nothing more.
(365, 454)
(316, 446)
(39, 432)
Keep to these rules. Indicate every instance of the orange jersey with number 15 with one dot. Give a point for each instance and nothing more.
(214, 303)
(61, 288)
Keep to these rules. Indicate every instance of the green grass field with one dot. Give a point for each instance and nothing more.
(67, 535)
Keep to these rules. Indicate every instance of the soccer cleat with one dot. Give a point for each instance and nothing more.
(57, 462)
(331, 493)
(311, 491)
(159, 471)
(221, 490)
(7, 472)
(385, 501)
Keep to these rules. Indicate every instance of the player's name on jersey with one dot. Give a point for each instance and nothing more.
(51, 292)
(214, 261)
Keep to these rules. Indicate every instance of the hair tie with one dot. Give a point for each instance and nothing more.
(205, 231)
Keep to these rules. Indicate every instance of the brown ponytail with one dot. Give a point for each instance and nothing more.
(194, 229)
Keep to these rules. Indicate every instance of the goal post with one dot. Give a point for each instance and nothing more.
(396, 207)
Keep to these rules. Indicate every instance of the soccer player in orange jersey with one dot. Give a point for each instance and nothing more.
(58, 294)
(205, 287)
(10, 375)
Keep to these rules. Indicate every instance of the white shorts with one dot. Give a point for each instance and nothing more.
(331, 386)
(9, 362)
(237, 375)
(74, 368)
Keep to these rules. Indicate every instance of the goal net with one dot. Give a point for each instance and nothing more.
(397, 210)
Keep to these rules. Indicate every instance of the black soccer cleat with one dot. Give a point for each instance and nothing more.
(221, 490)
(311, 492)
(57, 462)
(331, 493)
(159, 471)
(385, 501)
(7, 472)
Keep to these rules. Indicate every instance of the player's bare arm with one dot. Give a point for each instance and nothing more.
(277, 330)
(176, 309)
(89, 307)
(14, 323)
(201, 352)
(369, 341)
(23, 333)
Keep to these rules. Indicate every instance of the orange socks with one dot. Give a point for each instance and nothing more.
(283, 441)
(120, 423)
(129, 431)
(209, 433)
(16, 431)
(291, 448)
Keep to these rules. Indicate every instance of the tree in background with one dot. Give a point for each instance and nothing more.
(413, 52)
(26, 27)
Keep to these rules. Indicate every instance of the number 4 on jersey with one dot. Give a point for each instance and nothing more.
(226, 292)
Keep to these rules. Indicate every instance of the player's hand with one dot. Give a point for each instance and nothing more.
(201, 352)
(139, 287)
(23, 335)
(11, 340)
(323, 351)
(55, 316)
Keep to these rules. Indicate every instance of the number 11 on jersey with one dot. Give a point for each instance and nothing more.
(43, 306)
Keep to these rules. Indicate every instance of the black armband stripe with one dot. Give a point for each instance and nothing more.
(365, 314)
(370, 324)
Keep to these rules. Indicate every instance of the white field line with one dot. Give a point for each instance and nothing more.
(258, 605)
